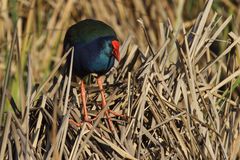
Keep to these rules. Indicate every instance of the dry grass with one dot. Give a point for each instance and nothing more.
(180, 93)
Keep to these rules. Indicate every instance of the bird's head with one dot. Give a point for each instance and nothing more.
(116, 52)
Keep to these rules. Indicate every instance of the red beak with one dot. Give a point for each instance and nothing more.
(116, 52)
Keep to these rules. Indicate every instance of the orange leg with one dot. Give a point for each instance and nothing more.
(83, 96)
(84, 108)
(100, 85)
(104, 103)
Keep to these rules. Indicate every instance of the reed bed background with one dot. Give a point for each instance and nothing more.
(177, 82)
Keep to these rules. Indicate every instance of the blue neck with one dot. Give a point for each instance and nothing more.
(94, 57)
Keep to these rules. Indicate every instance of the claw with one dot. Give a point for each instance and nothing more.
(84, 108)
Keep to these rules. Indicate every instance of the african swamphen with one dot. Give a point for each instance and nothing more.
(95, 48)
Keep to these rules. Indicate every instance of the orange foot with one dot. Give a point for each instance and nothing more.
(85, 112)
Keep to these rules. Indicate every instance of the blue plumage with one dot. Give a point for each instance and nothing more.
(93, 52)
(94, 57)
(95, 49)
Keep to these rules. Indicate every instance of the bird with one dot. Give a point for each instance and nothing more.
(96, 47)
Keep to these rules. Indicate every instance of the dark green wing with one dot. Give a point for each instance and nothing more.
(86, 31)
